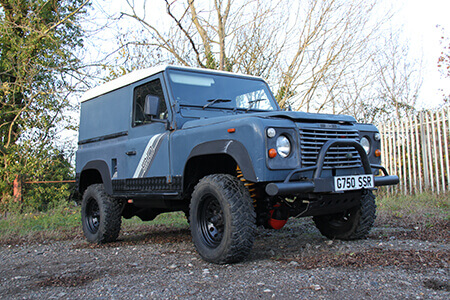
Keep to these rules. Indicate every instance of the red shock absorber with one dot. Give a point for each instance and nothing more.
(278, 216)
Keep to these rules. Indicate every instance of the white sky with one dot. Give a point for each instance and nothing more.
(419, 19)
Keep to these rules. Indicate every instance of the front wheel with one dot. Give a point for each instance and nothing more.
(222, 219)
(100, 215)
(354, 223)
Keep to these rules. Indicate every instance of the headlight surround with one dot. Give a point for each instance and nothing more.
(366, 144)
(283, 146)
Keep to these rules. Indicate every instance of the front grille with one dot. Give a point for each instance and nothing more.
(312, 140)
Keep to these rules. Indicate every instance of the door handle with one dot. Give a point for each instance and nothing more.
(132, 152)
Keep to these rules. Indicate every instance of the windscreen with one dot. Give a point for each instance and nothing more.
(220, 91)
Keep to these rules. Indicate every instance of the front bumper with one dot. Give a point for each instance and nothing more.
(318, 184)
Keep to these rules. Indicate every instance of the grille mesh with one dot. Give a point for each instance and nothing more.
(312, 139)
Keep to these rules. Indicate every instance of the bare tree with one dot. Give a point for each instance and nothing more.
(318, 56)
(399, 79)
(333, 40)
(304, 49)
(216, 35)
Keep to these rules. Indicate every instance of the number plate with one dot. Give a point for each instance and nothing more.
(353, 182)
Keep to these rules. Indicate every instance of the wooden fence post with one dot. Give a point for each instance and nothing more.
(17, 188)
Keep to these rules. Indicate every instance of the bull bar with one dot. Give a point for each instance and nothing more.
(318, 184)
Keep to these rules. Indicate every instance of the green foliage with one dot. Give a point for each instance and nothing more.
(36, 165)
(283, 93)
(37, 43)
(211, 61)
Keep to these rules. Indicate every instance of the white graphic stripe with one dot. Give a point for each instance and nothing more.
(147, 156)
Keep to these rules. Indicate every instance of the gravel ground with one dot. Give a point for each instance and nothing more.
(293, 263)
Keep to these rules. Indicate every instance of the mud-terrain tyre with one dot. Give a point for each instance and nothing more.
(222, 219)
(354, 223)
(101, 215)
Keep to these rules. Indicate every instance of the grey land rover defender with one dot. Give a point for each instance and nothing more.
(216, 146)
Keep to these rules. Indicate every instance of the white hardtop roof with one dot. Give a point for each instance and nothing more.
(137, 75)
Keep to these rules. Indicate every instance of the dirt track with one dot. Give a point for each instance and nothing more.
(296, 263)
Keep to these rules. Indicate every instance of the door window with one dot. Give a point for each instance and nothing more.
(153, 88)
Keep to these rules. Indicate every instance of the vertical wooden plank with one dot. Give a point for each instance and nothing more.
(393, 159)
(430, 152)
(439, 126)
(435, 154)
(390, 155)
(384, 150)
(423, 143)
(411, 177)
(419, 152)
(446, 136)
(398, 154)
(403, 156)
(383, 144)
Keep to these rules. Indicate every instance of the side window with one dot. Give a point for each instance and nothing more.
(153, 88)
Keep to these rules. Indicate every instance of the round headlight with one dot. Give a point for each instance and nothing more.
(283, 146)
(366, 144)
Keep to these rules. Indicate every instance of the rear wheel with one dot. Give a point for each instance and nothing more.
(354, 223)
(100, 215)
(222, 219)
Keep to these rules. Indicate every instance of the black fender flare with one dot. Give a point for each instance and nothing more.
(102, 167)
(232, 148)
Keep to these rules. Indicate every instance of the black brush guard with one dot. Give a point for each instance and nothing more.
(323, 185)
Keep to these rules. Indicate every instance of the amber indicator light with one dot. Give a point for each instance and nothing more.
(378, 153)
(231, 130)
(272, 153)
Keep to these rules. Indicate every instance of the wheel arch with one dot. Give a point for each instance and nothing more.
(232, 148)
(96, 171)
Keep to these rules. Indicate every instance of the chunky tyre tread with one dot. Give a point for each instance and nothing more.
(110, 215)
(364, 218)
(368, 216)
(243, 218)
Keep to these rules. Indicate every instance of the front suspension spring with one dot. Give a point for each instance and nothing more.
(251, 187)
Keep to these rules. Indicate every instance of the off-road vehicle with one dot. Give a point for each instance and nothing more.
(216, 146)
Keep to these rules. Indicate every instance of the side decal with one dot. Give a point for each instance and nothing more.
(148, 155)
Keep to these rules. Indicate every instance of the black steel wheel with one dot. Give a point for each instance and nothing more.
(354, 223)
(92, 215)
(222, 219)
(211, 221)
(100, 215)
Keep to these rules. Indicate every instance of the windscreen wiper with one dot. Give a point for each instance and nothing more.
(216, 100)
(253, 102)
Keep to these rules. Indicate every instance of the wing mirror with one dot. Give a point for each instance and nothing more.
(151, 105)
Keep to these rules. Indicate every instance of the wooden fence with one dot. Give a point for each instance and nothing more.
(417, 150)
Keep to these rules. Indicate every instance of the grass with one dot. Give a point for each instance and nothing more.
(424, 206)
(172, 219)
(64, 221)
(61, 218)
